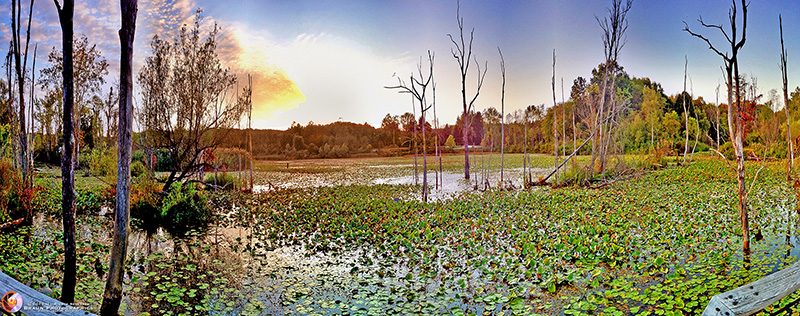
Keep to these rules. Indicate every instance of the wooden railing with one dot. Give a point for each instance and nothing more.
(753, 297)
(35, 303)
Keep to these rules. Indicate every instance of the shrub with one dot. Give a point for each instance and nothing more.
(138, 169)
(5, 141)
(103, 162)
(450, 143)
(727, 150)
(754, 150)
(184, 208)
(224, 180)
(312, 148)
(138, 156)
(144, 203)
(228, 158)
(752, 138)
(89, 201)
(15, 200)
(778, 150)
(164, 160)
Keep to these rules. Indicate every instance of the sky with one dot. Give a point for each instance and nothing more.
(323, 61)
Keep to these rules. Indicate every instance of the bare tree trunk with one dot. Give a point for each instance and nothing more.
(608, 134)
(250, 129)
(502, 116)
(65, 15)
(418, 90)
(463, 55)
(736, 132)
(20, 63)
(563, 122)
(13, 117)
(555, 117)
(574, 129)
(435, 157)
(614, 28)
(530, 177)
(574, 152)
(790, 146)
(439, 176)
(113, 292)
(685, 112)
(696, 121)
(414, 142)
(424, 158)
(739, 143)
(717, 122)
(577, 149)
(466, 147)
(489, 165)
(525, 150)
(483, 167)
(696, 138)
(31, 134)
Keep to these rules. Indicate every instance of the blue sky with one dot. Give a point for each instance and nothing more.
(325, 60)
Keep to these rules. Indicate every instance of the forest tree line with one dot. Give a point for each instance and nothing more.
(653, 120)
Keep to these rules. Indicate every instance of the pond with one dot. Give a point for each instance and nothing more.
(666, 241)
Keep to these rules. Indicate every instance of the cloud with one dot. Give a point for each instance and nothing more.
(252, 53)
(319, 75)
(340, 77)
(165, 17)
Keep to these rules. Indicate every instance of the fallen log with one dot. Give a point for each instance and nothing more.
(11, 223)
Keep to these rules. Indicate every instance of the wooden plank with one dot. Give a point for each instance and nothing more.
(35, 303)
(754, 297)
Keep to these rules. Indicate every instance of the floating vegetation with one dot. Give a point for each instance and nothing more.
(659, 244)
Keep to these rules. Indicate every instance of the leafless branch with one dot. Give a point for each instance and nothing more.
(723, 158)
(710, 46)
(752, 184)
(716, 26)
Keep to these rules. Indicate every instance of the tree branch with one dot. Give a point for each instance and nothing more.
(710, 46)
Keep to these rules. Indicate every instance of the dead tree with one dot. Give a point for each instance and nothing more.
(12, 115)
(790, 147)
(30, 113)
(436, 133)
(502, 114)
(685, 112)
(733, 83)
(463, 55)
(716, 107)
(563, 121)
(414, 140)
(20, 66)
(696, 120)
(555, 117)
(614, 28)
(65, 14)
(439, 177)
(525, 179)
(113, 292)
(577, 149)
(249, 97)
(438, 138)
(418, 90)
(574, 129)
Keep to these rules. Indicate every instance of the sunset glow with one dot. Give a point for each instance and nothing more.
(321, 61)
